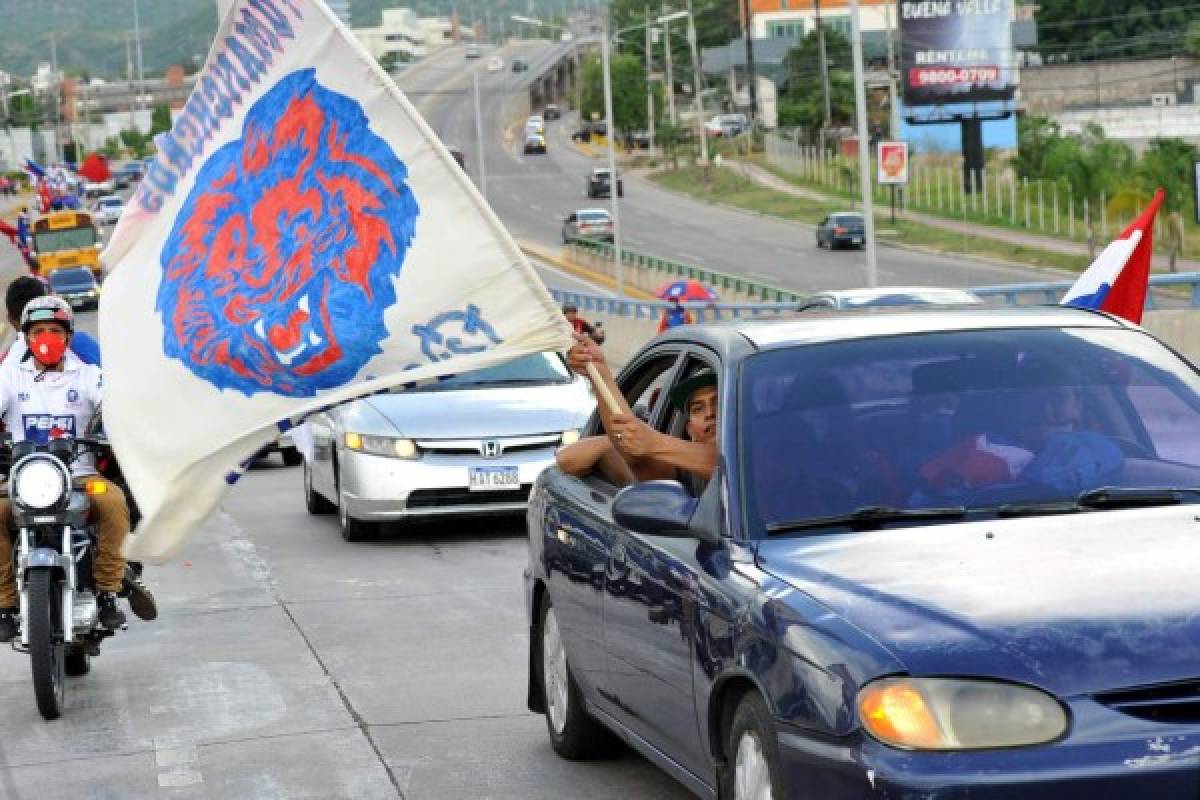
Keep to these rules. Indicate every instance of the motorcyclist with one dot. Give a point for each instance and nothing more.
(16, 297)
(51, 392)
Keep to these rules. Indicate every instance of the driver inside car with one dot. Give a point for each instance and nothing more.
(632, 450)
(50, 393)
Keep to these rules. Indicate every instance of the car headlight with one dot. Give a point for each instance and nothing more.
(39, 483)
(954, 714)
(570, 437)
(381, 445)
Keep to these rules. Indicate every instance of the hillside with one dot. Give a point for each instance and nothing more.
(91, 34)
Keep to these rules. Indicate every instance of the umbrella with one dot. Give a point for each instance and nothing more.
(690, 289)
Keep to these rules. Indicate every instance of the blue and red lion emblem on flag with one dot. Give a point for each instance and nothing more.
(280, 266)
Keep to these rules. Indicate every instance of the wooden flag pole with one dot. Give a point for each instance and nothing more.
(602, 389)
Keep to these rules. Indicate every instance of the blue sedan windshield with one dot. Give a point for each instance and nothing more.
(977, 419)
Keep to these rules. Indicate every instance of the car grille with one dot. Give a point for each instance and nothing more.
(441, 498)
(479, 447)
(1167, 702)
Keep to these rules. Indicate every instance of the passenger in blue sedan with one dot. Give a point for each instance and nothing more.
(632, 450)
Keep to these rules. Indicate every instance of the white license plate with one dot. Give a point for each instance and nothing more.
(856, 240)
(490, 479)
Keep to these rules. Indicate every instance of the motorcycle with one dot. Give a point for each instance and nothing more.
(59, 612)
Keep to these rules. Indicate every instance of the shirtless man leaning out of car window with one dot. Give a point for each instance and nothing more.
(632, 450)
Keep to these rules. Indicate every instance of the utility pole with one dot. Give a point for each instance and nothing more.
(129, 76)
(479, 135)
(697, 80)
(649, 85)
(613, 181)
(141, 72)
(824, 70)
(670, 76)
(864, 160)
(751, 72)
(58, 145)
(891, 67)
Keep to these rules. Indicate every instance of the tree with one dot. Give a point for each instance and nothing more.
(1091, 165)
(804, 97)
(1191, 39)
(1035, 136)
(628, 91)
(112, 148)
(160, 119)
(1167, 163)
(135, 142)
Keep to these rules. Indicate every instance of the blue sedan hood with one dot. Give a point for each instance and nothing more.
(1073, 604)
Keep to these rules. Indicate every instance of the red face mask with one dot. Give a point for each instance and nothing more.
(48, 348)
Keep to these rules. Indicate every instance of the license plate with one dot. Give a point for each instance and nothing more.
(856, 240)
(490, 479)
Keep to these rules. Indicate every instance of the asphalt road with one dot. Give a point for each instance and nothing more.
(532, 194)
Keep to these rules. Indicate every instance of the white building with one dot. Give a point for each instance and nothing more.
(794, 19)
(400, 33)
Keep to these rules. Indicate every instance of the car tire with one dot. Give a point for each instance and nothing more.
(291, 457)
(754, 771)
(315, 502)
(574, 734)
(353, 530)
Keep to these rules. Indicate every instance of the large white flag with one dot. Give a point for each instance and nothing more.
(301, 238)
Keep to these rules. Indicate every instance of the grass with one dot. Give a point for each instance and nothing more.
(733, 189)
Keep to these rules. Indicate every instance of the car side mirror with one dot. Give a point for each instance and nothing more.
(658, 508)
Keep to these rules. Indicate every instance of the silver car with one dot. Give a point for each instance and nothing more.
(471, 444)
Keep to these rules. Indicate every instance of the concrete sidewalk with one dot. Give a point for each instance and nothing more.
(771, 181)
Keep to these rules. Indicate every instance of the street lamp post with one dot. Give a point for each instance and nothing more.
(864, 159)
(613, 181)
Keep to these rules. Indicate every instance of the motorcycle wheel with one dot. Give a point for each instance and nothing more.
(77, 662)
(45, 652)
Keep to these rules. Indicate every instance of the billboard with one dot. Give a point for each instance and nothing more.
(956, 51)
(893, 163)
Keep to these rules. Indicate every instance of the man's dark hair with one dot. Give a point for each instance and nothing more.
(20, 292)
(569, 307)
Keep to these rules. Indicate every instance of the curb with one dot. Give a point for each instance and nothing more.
(543, 254)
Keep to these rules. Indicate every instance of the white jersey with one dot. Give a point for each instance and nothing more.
(37, 405)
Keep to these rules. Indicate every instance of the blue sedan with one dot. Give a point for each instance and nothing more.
(945, 553)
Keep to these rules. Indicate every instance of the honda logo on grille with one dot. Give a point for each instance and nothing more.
(491, 448)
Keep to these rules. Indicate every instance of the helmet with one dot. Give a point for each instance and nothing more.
(47, 309)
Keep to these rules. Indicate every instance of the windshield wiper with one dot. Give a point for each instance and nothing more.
(1118, 497)
(869, 517)
(1104, 497)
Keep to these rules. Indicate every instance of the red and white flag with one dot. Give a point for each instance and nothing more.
(1118, 279)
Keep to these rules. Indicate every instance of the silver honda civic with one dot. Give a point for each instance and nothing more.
(471, 444)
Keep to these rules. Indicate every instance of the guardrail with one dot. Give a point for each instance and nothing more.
(1052, 292)
(720, 281)
(1011, 294)
(652, 309)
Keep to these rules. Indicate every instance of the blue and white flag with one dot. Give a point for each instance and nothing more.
(301, 238)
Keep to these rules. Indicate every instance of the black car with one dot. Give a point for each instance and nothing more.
(936, 553)
(551, 112)
(588, 130)
(519, 65)
(843, 229)
(599, 183)
(76, 285)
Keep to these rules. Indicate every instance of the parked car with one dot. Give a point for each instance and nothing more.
(726, 125)
(467, 445)
(551, 111)
(472, 51)
(285, 446)
(843, 229)
(588, 223)
(948, 551)
(535, 143)
(519, 65)
(588, 130)
(886, 297)
(640, 139)
(108, 209)
(495, 64)
(76, 285)
(599, 183)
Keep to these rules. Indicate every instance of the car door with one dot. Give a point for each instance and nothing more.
(649, 612)
(578, 540)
